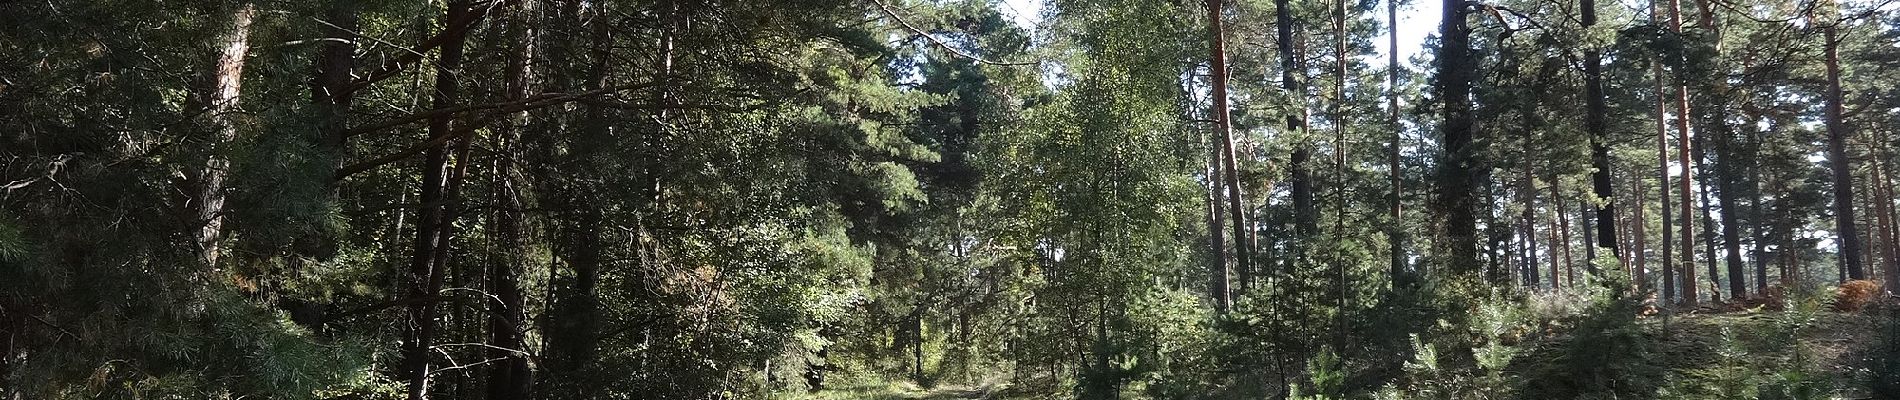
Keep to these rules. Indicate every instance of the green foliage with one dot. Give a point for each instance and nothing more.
(884, 199)
(1883, 369)
(1607, 354)
(1326, 377)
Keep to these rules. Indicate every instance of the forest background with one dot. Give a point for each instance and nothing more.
(674, 199)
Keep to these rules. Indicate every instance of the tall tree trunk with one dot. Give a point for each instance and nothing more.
(1557, 277)
(1758, 219)
(1292, 81)
(1340, 180)
(574, 339)
(1760, 234)
(1789, 254)
(1584, 215)
(510, 378)
(1216, 209)
(1887, 200)
(1883, 204)
(1848, 236)
(575, 322)
(1527, 192)
(1639, 232)
(223, 82)
(1563, 223)
(425, 268)
(1594, 122)
(917, 345)
(1871, 244)
(1708, 220)
(1217, 66)
(1686, 187)
(1216, 222)
(1662, 170)
(1459, 172)
(1722, 138)
(1731, 224)
(330, 88)
(1395, 233)
(1526, 252)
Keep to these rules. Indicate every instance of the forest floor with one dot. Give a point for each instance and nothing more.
(1743, 354)
(905, 391)
(1831, 348)
(1701, 355)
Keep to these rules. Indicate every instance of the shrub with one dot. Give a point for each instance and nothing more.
(1883, 359)
(1855, 294)
(1606, 354)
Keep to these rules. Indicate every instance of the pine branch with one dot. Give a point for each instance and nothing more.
(451, 30)
(57, 327)
(537, 101)
(378, 307)
(940, 43)
(532, 102)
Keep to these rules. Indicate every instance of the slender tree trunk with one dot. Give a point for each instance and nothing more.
(1685, 188)
(1639, 232)
(1527, 192)
(1871, 244)
(1340, 180)
(1700, 155)
(1594, 121)
(1761, 239)
(1216, 212)
(1717, 127)
(1721, 138)
(572, 336)
(1557, 277)
(510, 378)
(1758, 218)
(1395, 233)
(1497, 246)
(1883, 204)
(1216, 222)
(1526, 260)
(1662, 153)
(224, 81)
(1789, 257)
(1584, 215)
(1887, 200)
(574, 339)
(1848, 235)
(1731, 225)
(425, 268)
(1217, 66)
(1563, 224)
(917, 345)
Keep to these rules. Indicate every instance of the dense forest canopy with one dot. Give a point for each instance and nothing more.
(826, 199)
